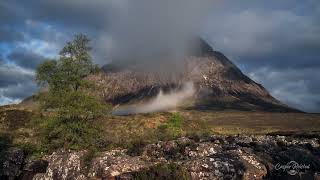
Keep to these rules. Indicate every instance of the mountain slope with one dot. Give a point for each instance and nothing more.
(218, 83)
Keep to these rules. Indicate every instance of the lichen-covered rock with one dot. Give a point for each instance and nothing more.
(216, 157)
(167, 150)
(203, 149)
(218, 166)
(116, 162)
(63, 165)
(254, 168)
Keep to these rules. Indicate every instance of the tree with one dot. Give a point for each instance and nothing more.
(65, 78)
(69, 96)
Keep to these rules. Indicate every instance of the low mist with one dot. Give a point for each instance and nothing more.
(162, 102)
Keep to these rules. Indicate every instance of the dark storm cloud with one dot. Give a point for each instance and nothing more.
(26, 59)
(73, 14)
(295, 87)
(275, 38)
(9, 35)
(13, 75)
(10, 13)
(16, 83)
(20, 91)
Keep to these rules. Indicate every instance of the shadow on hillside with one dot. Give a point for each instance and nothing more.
(5, 144)
(241, 103)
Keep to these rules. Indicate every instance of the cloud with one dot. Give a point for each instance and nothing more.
(149, 30)
(19, 91)
(138, 29)
(276, 38)
(80, 14)
(13, 75)
(16, 83)
(9, 35)
(26, 59)
(295, 87)
(10, 12)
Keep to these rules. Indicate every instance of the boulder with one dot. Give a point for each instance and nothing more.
(63, 165)
(114, 163)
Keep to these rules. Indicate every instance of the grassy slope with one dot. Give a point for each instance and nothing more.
(145, 127)
(244, 122)
(127, 131)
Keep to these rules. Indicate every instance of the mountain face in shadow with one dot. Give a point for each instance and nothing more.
(219, 84)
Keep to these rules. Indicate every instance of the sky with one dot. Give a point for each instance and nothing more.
(276, 43)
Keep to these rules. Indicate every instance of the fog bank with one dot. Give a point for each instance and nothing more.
(162, 102)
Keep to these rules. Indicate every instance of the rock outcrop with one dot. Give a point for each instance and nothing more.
(214, 157)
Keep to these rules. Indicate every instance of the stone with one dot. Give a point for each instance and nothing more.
(115, 163)
(63, 165)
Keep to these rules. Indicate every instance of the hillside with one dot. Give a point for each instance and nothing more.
(218, 83)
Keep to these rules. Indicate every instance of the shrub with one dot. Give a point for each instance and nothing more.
(57, 133)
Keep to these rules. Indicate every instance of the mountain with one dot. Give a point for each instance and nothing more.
(219, 84)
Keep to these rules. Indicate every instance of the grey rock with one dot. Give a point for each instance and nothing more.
(115, 163)
(217, 157)
(63, 165)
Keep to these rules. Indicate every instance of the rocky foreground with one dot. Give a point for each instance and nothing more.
(214, 157)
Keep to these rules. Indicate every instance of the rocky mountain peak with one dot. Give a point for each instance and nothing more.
(219, 84)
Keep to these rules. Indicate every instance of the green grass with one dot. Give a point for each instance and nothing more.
(172, 128)
(175, 121)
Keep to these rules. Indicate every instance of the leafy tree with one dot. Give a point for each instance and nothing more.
(65, 78)
(69, 96)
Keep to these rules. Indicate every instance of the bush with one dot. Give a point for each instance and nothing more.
(70, 134)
